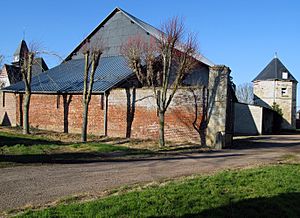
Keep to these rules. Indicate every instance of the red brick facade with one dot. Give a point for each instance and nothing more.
(130, 113)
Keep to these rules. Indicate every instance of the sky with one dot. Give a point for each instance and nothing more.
(243, 35)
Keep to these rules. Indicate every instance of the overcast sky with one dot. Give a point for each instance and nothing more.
(243, 35)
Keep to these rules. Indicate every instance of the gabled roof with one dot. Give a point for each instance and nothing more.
(39, 66)
(68, 77)
(273, 71)
(13, 73)
(145, 26)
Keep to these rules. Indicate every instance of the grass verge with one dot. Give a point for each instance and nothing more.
(17, 149)
(272, 191)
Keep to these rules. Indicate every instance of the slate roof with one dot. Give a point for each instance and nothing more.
(13, 73)
(21, 47)
(273, 71)
(68, 77)
(39, 66)
(147, 27)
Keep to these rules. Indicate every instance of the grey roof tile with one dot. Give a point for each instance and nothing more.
(157, 34)
(68, 77)
(273, 71)
(145, 26)
(39, 65)
(13, 73)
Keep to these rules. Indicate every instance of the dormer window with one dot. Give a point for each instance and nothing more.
(284, 75)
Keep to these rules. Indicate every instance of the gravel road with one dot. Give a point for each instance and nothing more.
(37, 185)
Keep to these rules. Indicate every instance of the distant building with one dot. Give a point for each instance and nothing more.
(276, 84)
(11, 73)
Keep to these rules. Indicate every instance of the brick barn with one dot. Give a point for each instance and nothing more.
(120, 107)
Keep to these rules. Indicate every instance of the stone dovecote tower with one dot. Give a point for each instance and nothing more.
(276, 84)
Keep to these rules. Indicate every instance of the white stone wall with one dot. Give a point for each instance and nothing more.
(248, 119)
(281, 92)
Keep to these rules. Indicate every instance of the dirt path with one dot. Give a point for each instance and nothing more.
(35, 185)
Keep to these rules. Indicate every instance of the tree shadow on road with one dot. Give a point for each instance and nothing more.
(94, 157)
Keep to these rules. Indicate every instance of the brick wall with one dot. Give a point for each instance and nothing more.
(130, 113)
(144, 122)
(62, 113)
(8, 109)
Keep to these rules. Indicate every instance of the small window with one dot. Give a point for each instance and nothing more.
(284, 92)
(284, 75)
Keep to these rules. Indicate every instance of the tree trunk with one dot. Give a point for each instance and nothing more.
(202, 134)
(84, 122)
(26, 113)
(161, 129)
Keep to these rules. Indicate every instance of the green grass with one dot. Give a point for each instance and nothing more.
(11, 143)
(16, 149)
(272, 191)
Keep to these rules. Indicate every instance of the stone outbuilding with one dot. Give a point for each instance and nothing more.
(276, 84)
(120, 106)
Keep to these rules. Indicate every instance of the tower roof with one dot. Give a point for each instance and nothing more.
(274, 71)
(21, 48)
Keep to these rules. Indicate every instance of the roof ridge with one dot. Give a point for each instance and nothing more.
(273, 71)
(142, 24)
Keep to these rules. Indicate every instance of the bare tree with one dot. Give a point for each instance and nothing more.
(92, 56)
(26, 71)
(27, 60)
(162, 63)
(244, 93)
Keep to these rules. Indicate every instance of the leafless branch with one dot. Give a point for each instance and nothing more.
(244, 93)
(162, 63)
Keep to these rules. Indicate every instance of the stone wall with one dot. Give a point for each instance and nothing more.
(220, 111)
(8, 109)
(248, 119)
(267, 92)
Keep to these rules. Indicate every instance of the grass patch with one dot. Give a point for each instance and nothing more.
(11, 139)
(15, 144)
(42, 147)
(272, 191)
(16, 149)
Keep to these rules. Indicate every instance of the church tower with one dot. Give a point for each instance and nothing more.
(276, 84)
(19, 53)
